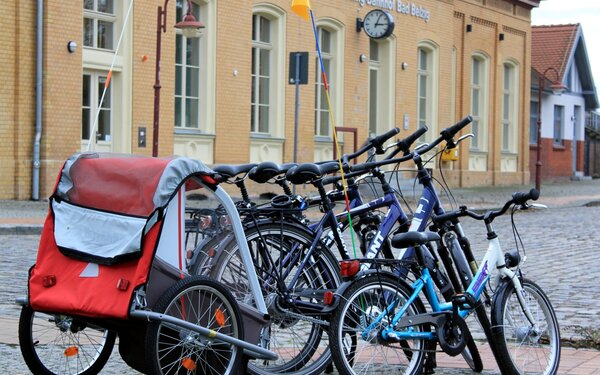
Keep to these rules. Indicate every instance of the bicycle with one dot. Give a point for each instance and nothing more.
(382, 312)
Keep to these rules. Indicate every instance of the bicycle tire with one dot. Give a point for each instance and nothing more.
(520, 349)
(309, 353)
(173, 350)
(76, 348)
(364, 298)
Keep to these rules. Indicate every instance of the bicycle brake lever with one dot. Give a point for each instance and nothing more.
(538, 206)
(462, 138)
(422, 145)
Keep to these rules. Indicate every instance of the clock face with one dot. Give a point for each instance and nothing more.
(378, 24)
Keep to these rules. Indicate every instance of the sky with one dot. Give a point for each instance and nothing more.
(584, 12)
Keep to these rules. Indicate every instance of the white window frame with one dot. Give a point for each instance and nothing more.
(335, 79)
(384, 100)
(427, 114)
(96, 16)
(204, 41)
(95, 94)
(479, 125)
(510, 103)
(558, 123)
(276, 46)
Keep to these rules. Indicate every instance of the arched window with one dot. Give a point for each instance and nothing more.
(510, 102)
(479, 101)
(382, 64)
(195, 67)
(268, 83)
(330, 34)
(427, 86)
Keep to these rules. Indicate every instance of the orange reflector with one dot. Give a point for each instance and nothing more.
(188, 364)
(220, 317)
(71, 351)
(328, 298)
(349, 268)
(211, 252)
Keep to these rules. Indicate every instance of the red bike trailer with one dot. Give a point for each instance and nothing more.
(113, 248)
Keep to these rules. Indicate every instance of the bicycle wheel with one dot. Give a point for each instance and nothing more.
(297, 334)
(525, 347)
(174, 350)
(356, 343)
(61, 344)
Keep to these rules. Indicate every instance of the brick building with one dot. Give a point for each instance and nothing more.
(225, 96)
(559, 60)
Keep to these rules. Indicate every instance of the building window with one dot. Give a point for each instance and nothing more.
(509, 105)
(534, 107)
(187, 74)
(261, 73)
(322, 116)
(559, 122)
(478, 102)
(374, 66)
(93, 89)
(426, 87)
(98, 23)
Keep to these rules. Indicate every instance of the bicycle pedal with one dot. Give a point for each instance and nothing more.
(464, 301)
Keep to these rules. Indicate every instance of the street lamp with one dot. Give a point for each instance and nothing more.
(557, 89)
(189, 27)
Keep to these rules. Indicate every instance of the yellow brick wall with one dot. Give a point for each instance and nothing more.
(63, 80)
(8, 99)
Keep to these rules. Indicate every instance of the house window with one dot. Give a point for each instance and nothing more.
(374, 66)
(98, 23)
(509, 104)
(478, 102)
(93, 88)
(322, 116)
(559, 124)
(261, 73)
(187, 75)
(534, 107)
(426, 87)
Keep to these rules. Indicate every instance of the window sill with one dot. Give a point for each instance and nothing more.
(265, 136)
(194, 132)
(558, 147)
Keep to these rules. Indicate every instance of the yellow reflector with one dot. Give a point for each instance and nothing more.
(71, 351)
(188, 364)
(220, 317)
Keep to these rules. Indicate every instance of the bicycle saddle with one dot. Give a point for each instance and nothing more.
(267, 170)
(412, 239)
(229, 171)
(307, 172)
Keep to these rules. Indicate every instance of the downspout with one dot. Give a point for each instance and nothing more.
(35, 189)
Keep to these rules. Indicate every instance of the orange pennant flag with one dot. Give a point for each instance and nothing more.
(301, 8)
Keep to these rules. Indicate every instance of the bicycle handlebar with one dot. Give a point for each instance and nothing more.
(518, 198)
(376, 143)
(404, 145)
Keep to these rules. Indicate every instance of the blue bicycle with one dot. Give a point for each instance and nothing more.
(381, 324)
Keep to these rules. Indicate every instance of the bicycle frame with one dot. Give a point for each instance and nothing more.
(494, 258)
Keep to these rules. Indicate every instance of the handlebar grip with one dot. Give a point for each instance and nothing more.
(521, 197)
(404, 145)
(451, 131)
(378, 141)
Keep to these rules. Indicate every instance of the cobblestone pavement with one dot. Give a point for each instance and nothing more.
(562, 247)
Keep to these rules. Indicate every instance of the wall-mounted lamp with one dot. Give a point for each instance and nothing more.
(469, 28)
(71, 46)
(362, 58)
(501, 36)
(404, 65)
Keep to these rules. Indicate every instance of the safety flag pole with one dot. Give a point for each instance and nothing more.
(303, 9)
(108, 77)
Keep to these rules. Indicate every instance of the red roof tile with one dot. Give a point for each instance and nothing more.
(551, 46)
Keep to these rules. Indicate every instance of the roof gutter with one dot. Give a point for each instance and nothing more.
(35, 180)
